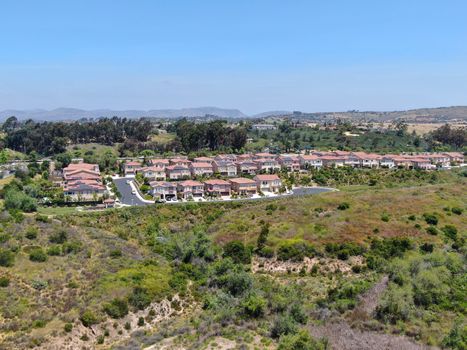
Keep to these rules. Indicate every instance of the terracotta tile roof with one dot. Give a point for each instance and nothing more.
(267, 177)
(242, 180)
(201, 165)
(190, 183)
(216, 182)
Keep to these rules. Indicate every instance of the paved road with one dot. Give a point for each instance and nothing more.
(126, 196)
(131, 199)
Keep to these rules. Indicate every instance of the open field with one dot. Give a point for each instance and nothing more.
(163, 138)
(97, 149)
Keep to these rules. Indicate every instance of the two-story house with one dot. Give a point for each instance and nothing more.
(268, 183)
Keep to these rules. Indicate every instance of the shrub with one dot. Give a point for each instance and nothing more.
(140, 298)
(432, 230)
(298, 314)
(7, 258)
(396, 304)
(426, 248)
(127, 326)
(385, 217)
(39, 284)
(38, 255)
(429, 287)
(141, 321)
(116, 253)
(343, 206)
(117, 308)
(31, 233)
(54, 250)
(42, 218)
(457, 338)
(301, 341)
(266, 252)
(88, 318)
(59, 237)
(100, 339)
(412, 218)
(254, 306)
(457, 210)
(236, 283)
(295, 250)
(450, 231)
(238, 252)
(283, 325)
(4, 282)
(68, 327)
(431, 219)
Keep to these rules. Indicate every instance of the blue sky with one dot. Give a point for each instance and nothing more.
(255, 55)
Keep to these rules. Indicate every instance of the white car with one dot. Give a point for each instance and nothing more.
(128, 181)
(133, 192)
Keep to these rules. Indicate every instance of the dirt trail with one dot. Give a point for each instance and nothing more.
(342, 336)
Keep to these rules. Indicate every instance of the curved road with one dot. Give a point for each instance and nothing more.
(129, 198)
(126, 197)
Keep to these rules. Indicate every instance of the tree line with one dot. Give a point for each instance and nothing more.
(213, 135)
(49, 138)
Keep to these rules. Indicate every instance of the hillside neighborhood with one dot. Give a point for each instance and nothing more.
(227, 176)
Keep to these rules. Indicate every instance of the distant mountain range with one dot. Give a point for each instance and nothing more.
(441, 114)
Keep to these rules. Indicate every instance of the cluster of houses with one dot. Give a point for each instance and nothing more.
(228, 174)
(231, 165)
(82, 182)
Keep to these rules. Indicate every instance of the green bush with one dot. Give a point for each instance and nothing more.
(141, 322)
(301, 341)
(385, 217)
(31, 233)
(283, 325)
(396, 304)
(116, 253)
(431, 219)
(254, 306)
(117, 308)
(298, 314)
(238, 252)
(38, 255)
(54, 250)
(4, 282)
(450, 231)
(68, 327)
(343, 206)
(59, 237)
(139, 298)
(457, 210)
(88, 318)
(430, 287)
(7, 258)
(432, 230)
(457, 338)
(295, 250)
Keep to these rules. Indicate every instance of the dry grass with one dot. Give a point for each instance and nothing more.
(298, 217)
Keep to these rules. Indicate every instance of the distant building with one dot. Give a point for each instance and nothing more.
(263, 127)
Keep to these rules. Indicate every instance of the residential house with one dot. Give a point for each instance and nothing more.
(83, 190)
(243, 186)
(131, 168)
(310, 161)
(159, 162)
(153, 172)
(245, 157)
(266, 165)
(225, 158)
(332, 161)
(177, 172)
(268, 183)
(180, 161)
(190, 189)
(201, 169)
(289, 162)
(225, 168)
(387, 162)
(247, 167)
(422, 163)
(455, 157)
(367, 160)
(163, 189)
(217, 187)
(264, 155)
(203, 160)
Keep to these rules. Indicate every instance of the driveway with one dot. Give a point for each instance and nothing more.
(126, 197)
